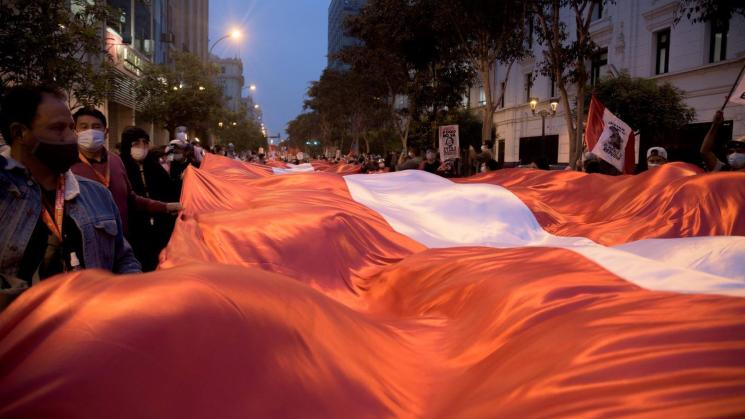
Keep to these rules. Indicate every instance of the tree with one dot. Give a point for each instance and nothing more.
(182, 94)
(56, 42)
(655, 111)
(411, 60)
(717, 11)
(237, 128)
(304, 127)
(346, 105)
(564, 58)
(491, 32)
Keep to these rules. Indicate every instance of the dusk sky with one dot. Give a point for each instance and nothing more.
(283, 48)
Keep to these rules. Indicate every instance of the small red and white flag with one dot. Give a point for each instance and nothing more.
(738, 94)
(609, 138)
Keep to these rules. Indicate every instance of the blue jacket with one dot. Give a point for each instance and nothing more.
(89, 204)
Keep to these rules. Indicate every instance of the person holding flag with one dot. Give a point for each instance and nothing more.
(735, 149)
(609, 138)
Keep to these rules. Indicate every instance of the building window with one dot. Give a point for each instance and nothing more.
(528, 86)
(599, 65)
(662, 56)
(597, 12)
(482, 96)
(718, 43)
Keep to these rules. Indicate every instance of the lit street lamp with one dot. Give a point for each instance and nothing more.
(553, 104)
(235, 34)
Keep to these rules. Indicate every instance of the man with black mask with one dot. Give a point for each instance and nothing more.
(53, 221)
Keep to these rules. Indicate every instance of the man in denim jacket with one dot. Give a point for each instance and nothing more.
(52, 221)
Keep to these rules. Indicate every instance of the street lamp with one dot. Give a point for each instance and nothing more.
(235, 34)
(256, 106)
(252, 87)
(553, 105)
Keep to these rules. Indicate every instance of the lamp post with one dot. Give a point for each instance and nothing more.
(553, 105)
(235, 34)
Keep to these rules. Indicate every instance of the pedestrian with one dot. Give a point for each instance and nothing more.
(149, 233)
(101, 165)
(489, 166)
(484, 154)
(430, 163)
(53, 221)
(735, 149)
(656, 157)
(409, 161)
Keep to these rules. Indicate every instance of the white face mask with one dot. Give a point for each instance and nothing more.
(651, 165)
(736, 160)
(484, 148)
(381, 165)
(138, 153)
(181, 136)
(484, 169)
(91, 139)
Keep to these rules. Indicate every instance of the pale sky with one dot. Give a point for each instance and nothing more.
(283, 48)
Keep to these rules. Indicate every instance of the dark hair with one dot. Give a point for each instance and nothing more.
(129, 136)
(19, 105)
(592, 166)
(87, 110)
(542, 163)
(492, 164)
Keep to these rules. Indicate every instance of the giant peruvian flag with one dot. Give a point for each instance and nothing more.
(609, 138)
(518, 293)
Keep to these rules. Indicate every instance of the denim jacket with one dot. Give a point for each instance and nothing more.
(88, 203)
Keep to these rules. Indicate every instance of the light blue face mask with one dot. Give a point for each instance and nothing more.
(736, 160)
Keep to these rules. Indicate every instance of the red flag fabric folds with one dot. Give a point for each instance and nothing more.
(292, 296)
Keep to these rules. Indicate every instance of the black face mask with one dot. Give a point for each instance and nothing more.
(57, 157)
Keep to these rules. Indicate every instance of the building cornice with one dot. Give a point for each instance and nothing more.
(660, 16)
(727, 63)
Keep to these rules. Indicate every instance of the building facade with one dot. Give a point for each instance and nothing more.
(189, 20)
(230, 79)
(145, 32)
(641, 38)
(339, 10)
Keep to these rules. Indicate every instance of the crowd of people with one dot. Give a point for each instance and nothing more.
(69, 203)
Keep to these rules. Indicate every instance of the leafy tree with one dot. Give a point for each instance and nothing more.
(346, 105)
(491, 32)
(304, 127)
(717, 11)
(182, 94)
(57, 42)
(654, 110)
(237, 128)
(413, 62)
(564, 57)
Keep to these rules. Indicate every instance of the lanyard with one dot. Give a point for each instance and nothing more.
(103, 178)
(55, 225)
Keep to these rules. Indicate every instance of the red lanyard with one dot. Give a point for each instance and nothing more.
(103, 178)
(55, 225)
